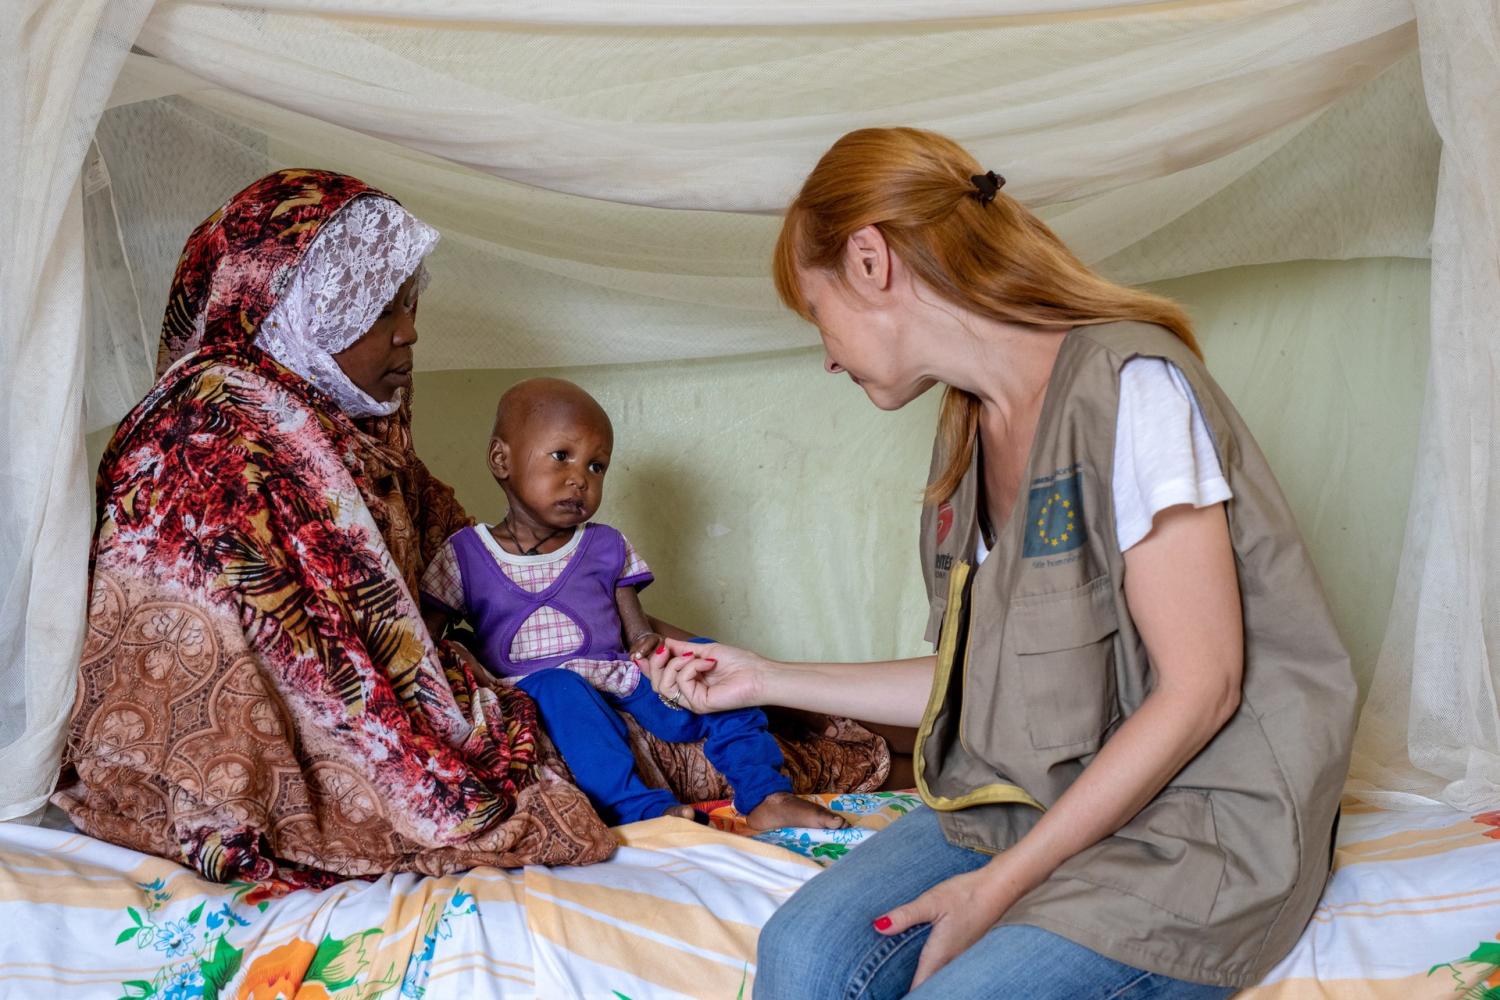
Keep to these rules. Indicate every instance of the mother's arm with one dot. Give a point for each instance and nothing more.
(1183, 592)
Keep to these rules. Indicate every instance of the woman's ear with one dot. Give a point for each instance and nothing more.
(499, 459)
(867, 260)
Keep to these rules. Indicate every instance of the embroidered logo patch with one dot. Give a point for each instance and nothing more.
(944, 521)
(1054, 518)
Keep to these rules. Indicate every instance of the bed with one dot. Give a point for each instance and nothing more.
(1412, 911)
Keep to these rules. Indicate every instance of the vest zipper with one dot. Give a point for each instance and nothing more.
(954, 621)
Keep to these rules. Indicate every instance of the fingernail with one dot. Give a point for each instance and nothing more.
(883, 924)
(709, 659)
(660, 650)
(690, 653)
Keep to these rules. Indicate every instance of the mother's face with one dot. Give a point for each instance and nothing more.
(380, 361)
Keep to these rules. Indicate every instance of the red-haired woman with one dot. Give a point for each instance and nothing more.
(1138, 716)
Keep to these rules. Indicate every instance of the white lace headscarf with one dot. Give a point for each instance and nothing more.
(353, 268)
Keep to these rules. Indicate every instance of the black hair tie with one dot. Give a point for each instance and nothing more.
(986, 186)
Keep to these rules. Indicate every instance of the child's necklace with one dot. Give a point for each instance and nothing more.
(537, 545)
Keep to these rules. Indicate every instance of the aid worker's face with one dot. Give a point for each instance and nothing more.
(860, 339)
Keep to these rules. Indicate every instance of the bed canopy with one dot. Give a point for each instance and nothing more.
(606, 175)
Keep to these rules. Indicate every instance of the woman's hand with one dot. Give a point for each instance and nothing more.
(705, 677)
(961, 910)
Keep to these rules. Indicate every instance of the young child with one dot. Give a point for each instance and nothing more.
(553, 601)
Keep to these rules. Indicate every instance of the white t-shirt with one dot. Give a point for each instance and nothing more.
(1164, 455)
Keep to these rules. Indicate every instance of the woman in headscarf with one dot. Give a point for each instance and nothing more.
(258, 695)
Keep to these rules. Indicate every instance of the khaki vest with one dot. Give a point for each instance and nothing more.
(1039, 662)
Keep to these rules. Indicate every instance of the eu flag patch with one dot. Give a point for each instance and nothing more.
(1054, 519)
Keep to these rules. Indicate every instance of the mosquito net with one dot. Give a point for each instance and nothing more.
(1315, 179)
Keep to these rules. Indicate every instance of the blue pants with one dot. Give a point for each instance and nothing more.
(820, 945)
(591, 737)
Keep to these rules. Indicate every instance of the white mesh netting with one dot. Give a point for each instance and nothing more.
(605, 177)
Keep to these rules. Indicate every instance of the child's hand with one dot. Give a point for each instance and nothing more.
(644, 645)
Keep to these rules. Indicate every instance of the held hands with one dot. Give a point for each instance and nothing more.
(644, 645)
(711, 677)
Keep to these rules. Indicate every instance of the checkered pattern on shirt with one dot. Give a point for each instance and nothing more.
(547, 632)
(442, 581)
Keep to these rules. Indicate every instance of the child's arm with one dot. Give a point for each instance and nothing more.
(669, 630)
(641, 638)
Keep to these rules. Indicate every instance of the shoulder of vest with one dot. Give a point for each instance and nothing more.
(1130, 339)
(1117, 343)
(1107, 347)
(615, 550)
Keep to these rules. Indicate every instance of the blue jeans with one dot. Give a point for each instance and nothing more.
(821, 946)
(591, 737)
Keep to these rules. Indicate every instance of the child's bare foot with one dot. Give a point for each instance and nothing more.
(680, 811)
(785, 809)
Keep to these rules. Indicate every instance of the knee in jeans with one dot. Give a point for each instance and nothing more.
(793, 960)
(775, 963)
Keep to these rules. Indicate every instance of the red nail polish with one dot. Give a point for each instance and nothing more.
(709, 659)
(883, 924)
(660, 650)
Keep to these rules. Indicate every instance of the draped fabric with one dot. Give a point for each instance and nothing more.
(609, 195)
(257, 686)
(1431, 726)
(61, 63)
(1201, 82)
(606, 175)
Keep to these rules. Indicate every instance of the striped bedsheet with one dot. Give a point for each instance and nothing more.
(1412, 912)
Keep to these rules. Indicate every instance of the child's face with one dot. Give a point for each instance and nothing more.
(553, 468)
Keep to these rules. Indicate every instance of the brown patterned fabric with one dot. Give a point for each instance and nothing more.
(822, 755)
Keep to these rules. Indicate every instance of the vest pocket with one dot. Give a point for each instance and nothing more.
(1168, 855)
(1064, 645)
